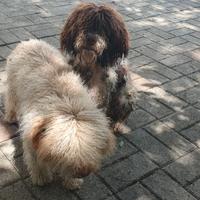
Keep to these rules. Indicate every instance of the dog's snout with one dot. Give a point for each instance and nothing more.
(90, 39)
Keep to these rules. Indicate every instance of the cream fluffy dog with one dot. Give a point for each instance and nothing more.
(63, 132)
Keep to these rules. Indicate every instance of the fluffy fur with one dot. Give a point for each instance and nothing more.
(95, 32)
(62, 130)
(96, 40)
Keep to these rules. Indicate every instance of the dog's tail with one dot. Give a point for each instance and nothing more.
(77, 139)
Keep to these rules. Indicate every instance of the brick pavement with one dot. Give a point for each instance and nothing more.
(160, 160)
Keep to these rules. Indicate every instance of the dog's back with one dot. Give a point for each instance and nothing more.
(55, 110)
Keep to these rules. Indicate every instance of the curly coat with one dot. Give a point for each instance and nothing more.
(90, 20)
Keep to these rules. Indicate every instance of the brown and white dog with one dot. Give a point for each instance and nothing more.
(63, 131)
(97, 42)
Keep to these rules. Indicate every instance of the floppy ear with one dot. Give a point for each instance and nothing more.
(37, 131)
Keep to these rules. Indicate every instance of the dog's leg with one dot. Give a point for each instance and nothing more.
(73, 183)
(41, 174)
(39, 171)
(10, 106)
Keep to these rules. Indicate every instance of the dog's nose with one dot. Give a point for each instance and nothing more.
(90, 39)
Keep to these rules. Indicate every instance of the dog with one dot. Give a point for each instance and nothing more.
(97, 42)
(63, 131)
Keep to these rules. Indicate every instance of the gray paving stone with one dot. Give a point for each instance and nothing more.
(111, 198)
(17, 191)
(140, 42)
(162, 48)
(123, 149)
(8, 173)
(4, 51)
(139, 118)
(181, 31)
(195, 76)
(166, 188)
(184, 49)
(169, 137)
(175, 60)
(192, 133)
(179, 85)
(136, 26)
(150, 36)
(59, 10)
(151, 75)
(54, 19)
(196, 34)
(182, 119)
(37, 27)
(151, 53)
(15, 23)
(22, 34)
(166, 98)
(194, 188)
(133, 54)
(53, 41)
(20, 21)
(45, 32)
(192, 95)
(191, 39)
(1, 42)
(36, 19)
(197, 105)
(154, 107)
(152, 147)
(139, 61)
(164, 70)
(52, 191)
(21, 11)
(186, 168)
(161, 33)
(93, 188)
(119, 175)
(8, 37)
(188, 68)
(136, 192)
(173, 41)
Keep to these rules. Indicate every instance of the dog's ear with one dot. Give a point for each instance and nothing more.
(37, 131)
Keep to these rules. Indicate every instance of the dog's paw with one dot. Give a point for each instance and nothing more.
(73, 184)
(40, 179)
(122, 128)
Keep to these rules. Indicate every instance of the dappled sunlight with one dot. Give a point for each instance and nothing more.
(183, 117)
(188, 161)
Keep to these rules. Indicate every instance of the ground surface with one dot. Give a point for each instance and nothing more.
(160, 160)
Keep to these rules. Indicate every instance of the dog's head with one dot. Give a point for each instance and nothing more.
(76, 147)
(95, 35)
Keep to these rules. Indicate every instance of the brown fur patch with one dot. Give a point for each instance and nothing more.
(37, 131)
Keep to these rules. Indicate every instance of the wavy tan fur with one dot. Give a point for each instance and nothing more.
(62, 129)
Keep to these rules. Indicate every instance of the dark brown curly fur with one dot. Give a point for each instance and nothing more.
(91, 20)
(95, 38)
(116, 110)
